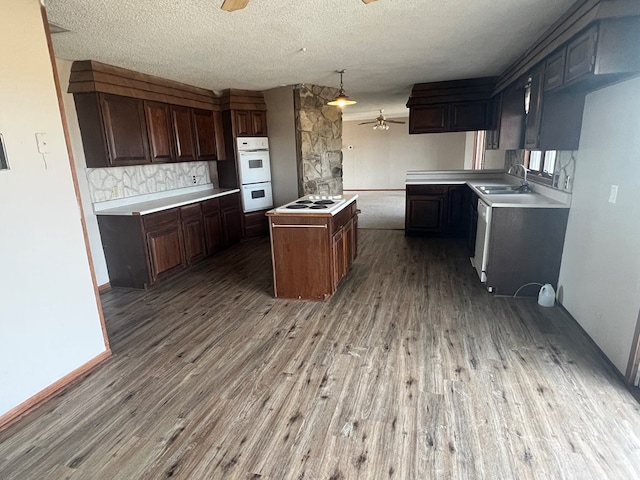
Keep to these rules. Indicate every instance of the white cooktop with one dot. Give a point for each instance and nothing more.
(314, 204)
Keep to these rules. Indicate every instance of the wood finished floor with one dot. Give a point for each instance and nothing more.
(411, 371)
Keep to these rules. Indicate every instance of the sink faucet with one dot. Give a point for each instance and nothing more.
(525, 183)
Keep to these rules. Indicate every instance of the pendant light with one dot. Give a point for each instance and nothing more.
(341, 99)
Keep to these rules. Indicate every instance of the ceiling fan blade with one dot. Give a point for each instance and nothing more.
(231, 5)
(393, 121)
(367, 123)
(368, 1)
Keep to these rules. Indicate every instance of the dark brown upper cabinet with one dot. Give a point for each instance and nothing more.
(205, 127)
(533, 91)
(158, 117)
(452, 106)
(113, 128)
(554, 70)
(259, 123)
(250, 123)
(184, 133)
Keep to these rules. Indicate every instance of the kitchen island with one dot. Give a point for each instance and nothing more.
(314, 241)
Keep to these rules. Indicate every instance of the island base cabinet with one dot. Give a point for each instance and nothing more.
(312, 254)
(297, 251)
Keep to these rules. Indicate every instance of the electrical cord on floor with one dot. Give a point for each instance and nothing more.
(526, 285)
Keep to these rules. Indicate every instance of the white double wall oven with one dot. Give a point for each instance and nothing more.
(254, 168)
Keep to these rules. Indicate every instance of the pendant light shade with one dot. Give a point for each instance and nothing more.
(341, 99)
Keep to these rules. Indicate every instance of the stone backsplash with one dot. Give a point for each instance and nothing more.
(563, 172)
(122, 182)
(319, 140)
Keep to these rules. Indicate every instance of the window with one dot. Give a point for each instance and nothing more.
(478, 150)
(541, 165)
(4, 164)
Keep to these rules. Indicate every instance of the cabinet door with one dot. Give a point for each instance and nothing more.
(512, 120)
(532, 129)
(158, 117)
(338, 263)
(184, 133)
(205, 135)
(214, 238)
(193, 233)
(301, 260)
(165, 251)
(350, 244)
(258, 123)
(243, 123)
(581, 55)
(231, 218)
(492, 138)
(428, 118)
(457, 210)
(554, 70)
(469, 116)
(125, 130)
(426, 214)
(220, 143)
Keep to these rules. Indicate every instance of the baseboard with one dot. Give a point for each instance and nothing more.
(106, 286)
(615, 370)
(41, 397)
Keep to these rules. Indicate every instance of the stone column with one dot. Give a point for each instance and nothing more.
(319, 140)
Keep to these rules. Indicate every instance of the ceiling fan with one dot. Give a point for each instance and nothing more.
(380, 123)
(231, 5)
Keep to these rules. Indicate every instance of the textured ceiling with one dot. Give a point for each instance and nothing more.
(385, 46)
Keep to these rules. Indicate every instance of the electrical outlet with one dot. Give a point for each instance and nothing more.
(115, 193)
(613, 194)
(195, 180)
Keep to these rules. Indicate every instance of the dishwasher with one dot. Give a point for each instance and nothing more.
(479, 261)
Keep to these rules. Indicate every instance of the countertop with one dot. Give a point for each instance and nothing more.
(542, 196)
(349, 199)
(156, 202)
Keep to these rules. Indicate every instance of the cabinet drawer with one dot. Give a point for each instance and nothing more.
(427, 189)
(210, 206)
(190, 211)
(166, 217)
(228, 201)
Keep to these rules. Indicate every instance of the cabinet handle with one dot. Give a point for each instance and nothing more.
(297, 226)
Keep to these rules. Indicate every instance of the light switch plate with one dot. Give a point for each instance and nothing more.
(42, 141)
(613, 194)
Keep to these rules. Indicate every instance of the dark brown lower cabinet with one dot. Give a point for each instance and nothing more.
(231, 218)
(312, 253)
(212, 219)
(193, 232)
(525, 245)
(256, 224)
(439, 210)
(144, 250)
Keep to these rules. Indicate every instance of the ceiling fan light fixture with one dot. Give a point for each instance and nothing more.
(341, 99)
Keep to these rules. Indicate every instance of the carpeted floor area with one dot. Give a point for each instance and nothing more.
(380, 209)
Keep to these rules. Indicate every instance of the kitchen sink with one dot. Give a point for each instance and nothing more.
(504, 189)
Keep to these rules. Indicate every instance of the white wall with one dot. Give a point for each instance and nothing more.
(282, 144)
(600, 274)
(95, 243)
(49, 319)
(380, 159)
